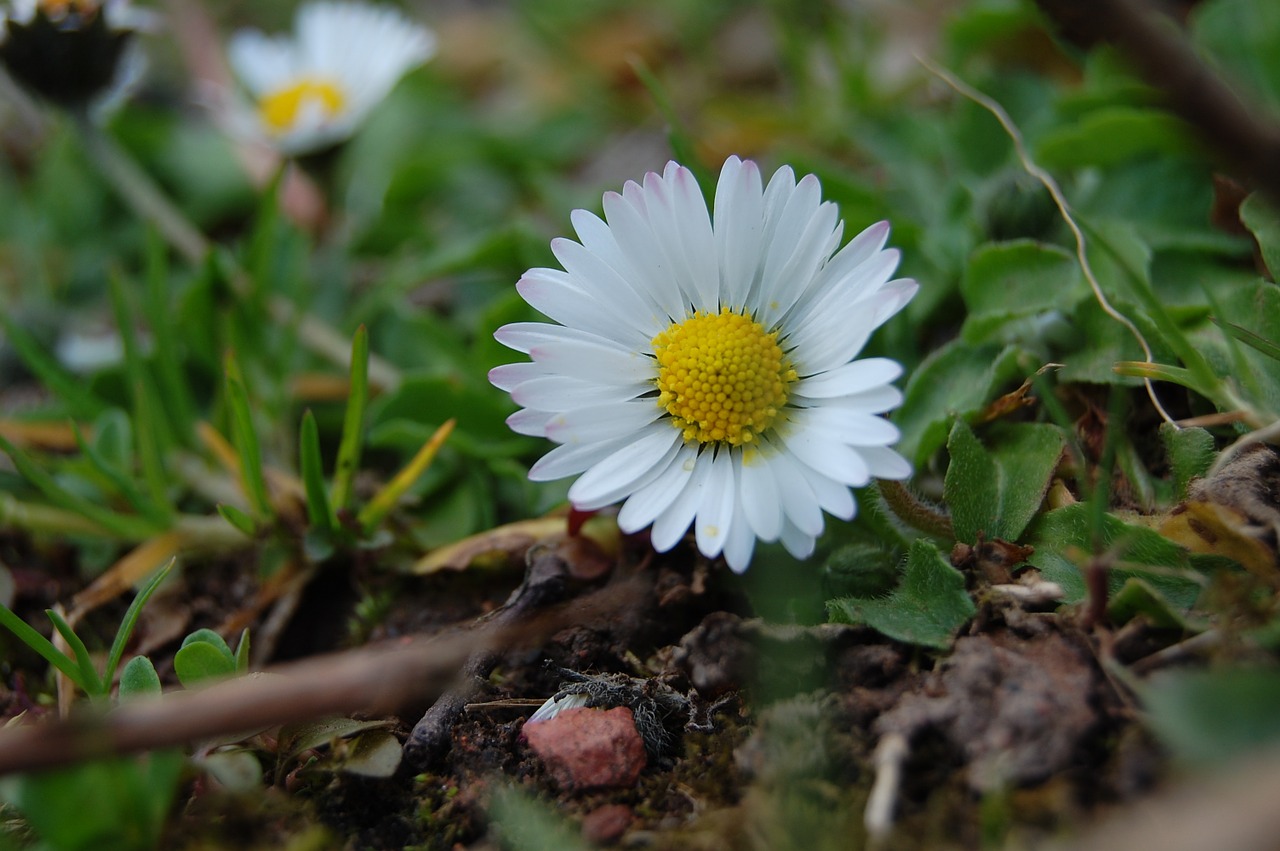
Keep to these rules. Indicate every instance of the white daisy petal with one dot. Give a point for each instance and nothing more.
(796, 542)
(634, 317)
(532, 423)
(845, 426)
(592, 361)
(715, 514)
(853, 377)
(826, 453)
(631, 467)
(561, 393)
(635, 240)
(312, 89)
(644, 506)
(566, 302)
(580, 425)
(759, 494)
(670, 526)
(740, 543)
(739, 222)
(800, 506)
(669, 379)
(884, 463)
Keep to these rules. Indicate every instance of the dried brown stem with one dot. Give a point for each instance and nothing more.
(379, 680)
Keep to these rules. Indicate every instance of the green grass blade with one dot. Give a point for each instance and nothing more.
(1244, 335)
(151, 429)
(168, 357)
(131, 620)
(385, 500)
(80, 402)
(122, 526)
(245, 438)
(237, 518)
(353, 424)
(92, 684)
(242, 653)
(29, 636)
(319, 512)
(119, 480)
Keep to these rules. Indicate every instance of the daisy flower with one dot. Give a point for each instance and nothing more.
(312, 89)
(704, 372)
(75, 53)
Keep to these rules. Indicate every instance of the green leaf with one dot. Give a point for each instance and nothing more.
(28, 635)
(926, 609)
(1211, 716)
(139, 679)
(305, 735)
(118, 478)
(996, 492)
(522, 821)
(242, 653)
(1242, 37)
(202, 661)
(208, 636)
(1009, 280)
(1263, 220)
(118, 803)
(955, 381)
(238, 771)
(376, 753)
(245, 524)
(1113, 135)
(1065, 536)
(1140, 597)
(319, 512)
(1191, 453)
(130, 619)
(245, 437)
(353, 423)
(92, 683)
(122, 526)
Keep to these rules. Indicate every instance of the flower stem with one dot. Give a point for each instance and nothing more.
(140, 191)
(915, 512)
(152, 205)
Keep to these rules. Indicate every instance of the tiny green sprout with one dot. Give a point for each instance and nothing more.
(205, 656)
(80, 670)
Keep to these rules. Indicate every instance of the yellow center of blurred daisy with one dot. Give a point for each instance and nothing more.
(721, 377)
(280, 109)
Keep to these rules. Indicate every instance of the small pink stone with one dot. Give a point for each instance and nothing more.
(605, 825)
(589, 748)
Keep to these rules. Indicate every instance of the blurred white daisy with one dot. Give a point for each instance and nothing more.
(311, 90)
(704, 373)
(76, 53)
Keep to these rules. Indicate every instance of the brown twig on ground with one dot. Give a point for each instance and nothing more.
(546, 582)
(378, 680)
(1248, 142)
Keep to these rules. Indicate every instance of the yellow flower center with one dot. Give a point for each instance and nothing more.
(721, 377)
(280, 109)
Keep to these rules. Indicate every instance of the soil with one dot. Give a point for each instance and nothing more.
(772, 742)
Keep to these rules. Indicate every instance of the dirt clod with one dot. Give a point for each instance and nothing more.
(1018, 710)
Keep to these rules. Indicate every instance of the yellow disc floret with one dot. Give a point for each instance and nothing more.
(280, 109)
(721, 377)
